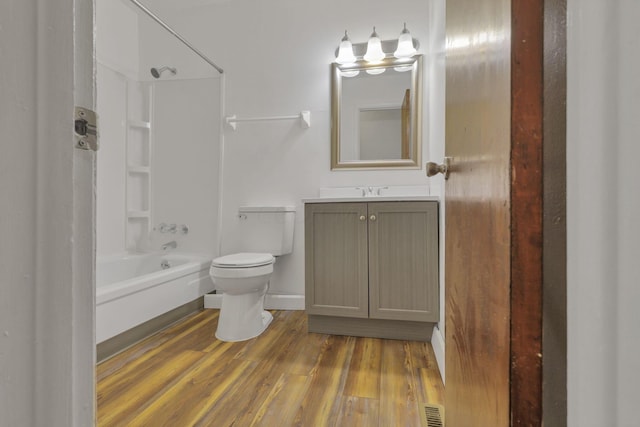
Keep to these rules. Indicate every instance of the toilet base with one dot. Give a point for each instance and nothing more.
(242, 317)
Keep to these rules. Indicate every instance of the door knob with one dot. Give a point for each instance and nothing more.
(362, 217)
(434, 168)
(372, 217)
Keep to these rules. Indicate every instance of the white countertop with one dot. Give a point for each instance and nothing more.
(367, 199)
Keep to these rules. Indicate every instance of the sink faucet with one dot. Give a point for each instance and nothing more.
(381, 188)
(170, 245)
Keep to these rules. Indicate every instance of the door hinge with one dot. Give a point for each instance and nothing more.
(86, 129)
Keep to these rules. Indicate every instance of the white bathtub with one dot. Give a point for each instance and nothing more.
(132, 289)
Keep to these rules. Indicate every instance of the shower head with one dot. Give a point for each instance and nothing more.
(156, 72)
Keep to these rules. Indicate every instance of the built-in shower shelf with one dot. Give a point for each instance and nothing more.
(138, 214)
(139, 169)
(139, 124)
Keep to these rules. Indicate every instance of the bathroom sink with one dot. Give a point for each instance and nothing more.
(365, 193)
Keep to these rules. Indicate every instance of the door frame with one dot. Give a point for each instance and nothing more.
(527, 31)
(538, 371)
(64, 306)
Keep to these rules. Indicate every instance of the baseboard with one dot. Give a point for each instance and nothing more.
(437, 342)
(271, 301)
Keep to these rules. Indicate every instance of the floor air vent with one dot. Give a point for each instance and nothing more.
(432, 415)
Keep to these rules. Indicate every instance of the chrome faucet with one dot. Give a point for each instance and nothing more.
(170, 245)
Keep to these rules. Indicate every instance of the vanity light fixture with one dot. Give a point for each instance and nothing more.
(373, 52)
(345, 52)
(405, 45)
(374, 49)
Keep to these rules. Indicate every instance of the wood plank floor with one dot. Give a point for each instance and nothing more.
(183, 376)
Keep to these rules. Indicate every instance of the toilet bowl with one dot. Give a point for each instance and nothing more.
(243, 279)
(262, 233)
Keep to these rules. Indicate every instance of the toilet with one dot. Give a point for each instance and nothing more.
(263, 234)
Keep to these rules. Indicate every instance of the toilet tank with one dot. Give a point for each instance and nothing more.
(267, 229)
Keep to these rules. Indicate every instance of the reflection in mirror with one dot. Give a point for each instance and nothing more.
(376, 114)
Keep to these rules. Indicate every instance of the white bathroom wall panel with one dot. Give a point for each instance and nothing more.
(117, 43)
(277, 57)
(185, 162)
(111, 169)
(117, 57)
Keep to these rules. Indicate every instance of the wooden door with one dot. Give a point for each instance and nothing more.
(493, 212)
(336, 259)
(399, 287)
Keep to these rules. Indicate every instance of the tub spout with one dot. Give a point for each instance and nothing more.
(171, 245)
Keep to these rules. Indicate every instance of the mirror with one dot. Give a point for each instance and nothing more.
(376, 114)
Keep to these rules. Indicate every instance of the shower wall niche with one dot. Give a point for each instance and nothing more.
(139, 152)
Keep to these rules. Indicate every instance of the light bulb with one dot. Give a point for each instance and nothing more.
(349, 73)
(376, 71)
(345, 52)
(405, 45)
(374, 53)
(403, 68)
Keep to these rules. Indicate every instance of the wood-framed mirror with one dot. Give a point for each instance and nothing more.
(376, 114)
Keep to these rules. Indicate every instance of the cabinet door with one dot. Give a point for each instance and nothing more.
(403, 261)
(336, 259)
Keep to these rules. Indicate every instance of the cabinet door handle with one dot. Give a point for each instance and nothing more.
(372, 217)
(362, 217)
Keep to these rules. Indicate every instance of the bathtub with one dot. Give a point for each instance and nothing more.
(132, 289)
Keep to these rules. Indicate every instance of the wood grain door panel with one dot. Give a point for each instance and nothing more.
(477, 209)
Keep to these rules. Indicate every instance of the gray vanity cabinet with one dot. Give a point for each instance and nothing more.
(371, 268)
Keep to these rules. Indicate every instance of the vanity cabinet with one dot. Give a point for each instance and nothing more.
(371, 268)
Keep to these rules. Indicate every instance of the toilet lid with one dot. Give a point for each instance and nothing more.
(243, 260)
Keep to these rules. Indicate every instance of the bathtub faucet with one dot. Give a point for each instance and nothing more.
(171, 245)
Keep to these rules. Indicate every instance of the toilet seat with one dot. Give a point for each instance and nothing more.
(243, 260)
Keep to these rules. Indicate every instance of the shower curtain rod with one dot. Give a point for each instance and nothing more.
(178, 36)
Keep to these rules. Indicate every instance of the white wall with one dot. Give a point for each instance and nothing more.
(603, 209)
(277, 57)
(117, 36)
(18, 179)
(185, 162)
(46, 216)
